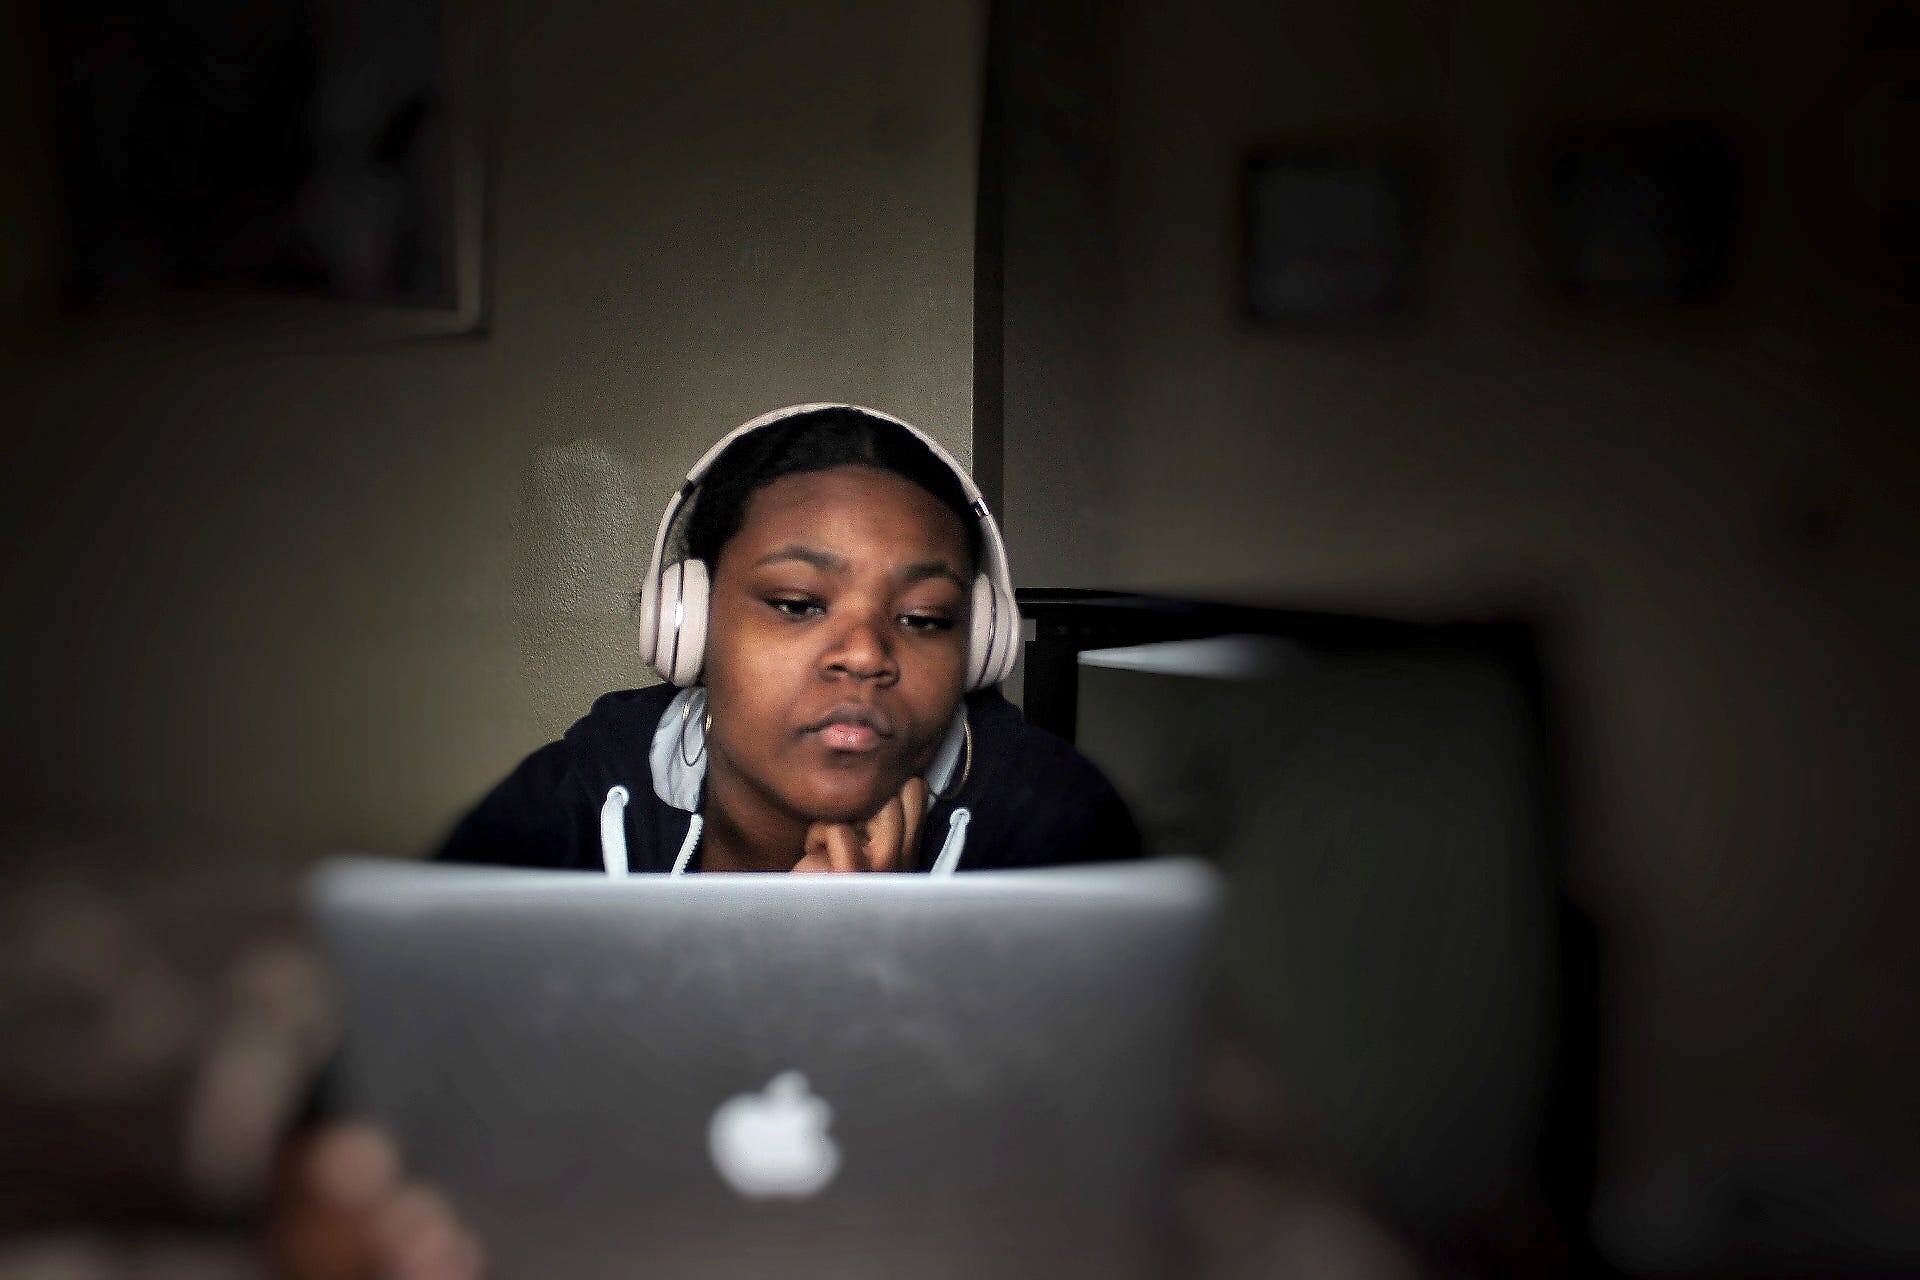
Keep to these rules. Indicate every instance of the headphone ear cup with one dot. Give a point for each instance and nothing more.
(995, 623)
(687, 651)
(979, 631)
(1008, 633)
(649, 622)
(673, 622)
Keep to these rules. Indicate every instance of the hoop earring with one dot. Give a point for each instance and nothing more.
(706, 726)
(966, 765)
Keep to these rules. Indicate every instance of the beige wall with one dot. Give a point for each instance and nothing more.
(306, 593)
(1742, 702)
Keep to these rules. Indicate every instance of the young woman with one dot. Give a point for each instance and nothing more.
(830, 604)
(832, 573)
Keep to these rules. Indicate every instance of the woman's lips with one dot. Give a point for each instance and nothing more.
(849, 737)
(851, 728)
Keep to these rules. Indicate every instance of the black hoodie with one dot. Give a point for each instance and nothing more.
(1033, 799)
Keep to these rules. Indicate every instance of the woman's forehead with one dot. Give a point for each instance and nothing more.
(853, 509)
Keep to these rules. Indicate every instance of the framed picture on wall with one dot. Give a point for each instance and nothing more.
(313, 163)
(1330, 236)
(1643, 210)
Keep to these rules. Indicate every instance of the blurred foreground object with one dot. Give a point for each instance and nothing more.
(160, 1025)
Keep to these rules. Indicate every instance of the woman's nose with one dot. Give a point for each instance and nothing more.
(863, 649)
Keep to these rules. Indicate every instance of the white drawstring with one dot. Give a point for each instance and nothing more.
(613, 832)
(956, 844)
(688, 845)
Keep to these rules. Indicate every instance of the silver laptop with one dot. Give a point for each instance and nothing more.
(750, 1075)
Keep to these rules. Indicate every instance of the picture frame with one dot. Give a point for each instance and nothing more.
(1330, 236)
(1643, 210)
(317, 167)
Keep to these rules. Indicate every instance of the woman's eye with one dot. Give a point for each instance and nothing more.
(926, 622)
(794, 608)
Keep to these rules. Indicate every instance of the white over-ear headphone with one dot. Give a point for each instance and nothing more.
(673, 598)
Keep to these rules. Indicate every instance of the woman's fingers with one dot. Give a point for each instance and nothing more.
(841, 844)
(884, 842)
(813, 863)
(816, 858)
(913, 801)
(883, 832)
(824, 845)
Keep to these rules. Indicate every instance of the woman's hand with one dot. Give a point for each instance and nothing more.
(884, 842)
(342, 1211)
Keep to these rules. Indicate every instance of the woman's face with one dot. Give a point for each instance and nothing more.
(836, 648)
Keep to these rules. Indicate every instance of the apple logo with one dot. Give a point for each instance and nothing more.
(774, 1143)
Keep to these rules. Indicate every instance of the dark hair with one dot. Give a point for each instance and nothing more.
(816, 441)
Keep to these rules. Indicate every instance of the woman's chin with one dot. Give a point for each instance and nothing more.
(848, 800)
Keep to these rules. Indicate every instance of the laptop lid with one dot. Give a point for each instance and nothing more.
(725, 1075)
